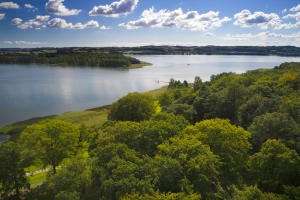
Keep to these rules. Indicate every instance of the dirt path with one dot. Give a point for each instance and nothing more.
(40, 171)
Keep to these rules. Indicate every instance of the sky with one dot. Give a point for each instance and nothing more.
(129, 23)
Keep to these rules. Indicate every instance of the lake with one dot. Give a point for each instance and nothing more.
(32, 90)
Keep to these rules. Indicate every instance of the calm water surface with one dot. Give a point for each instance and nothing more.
(30, 90)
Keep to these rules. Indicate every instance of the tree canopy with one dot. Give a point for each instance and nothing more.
(132, 107)
(50, 141)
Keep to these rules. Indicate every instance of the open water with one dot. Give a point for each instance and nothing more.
(28, 91)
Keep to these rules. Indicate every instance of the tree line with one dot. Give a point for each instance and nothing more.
(235, 137)
(209, 50)
(70, 59)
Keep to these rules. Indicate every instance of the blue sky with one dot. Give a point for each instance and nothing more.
(102, 23)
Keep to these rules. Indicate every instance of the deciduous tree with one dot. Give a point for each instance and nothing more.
(132, 107)
(50, 141)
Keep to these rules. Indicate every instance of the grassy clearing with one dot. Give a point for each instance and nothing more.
(155, 93)
(35, 167)
(37, 179)
(88, 117)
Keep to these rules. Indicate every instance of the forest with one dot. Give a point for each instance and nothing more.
(65, 57)
(235, 137)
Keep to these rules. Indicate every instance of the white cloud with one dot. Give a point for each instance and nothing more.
(264, 21)
(284, 11)
(122, 24)
(177, 19)
(296, 8)
(138, 44)
(16, 21)
(61, 23)
(39, 20)
(7, 42)
(262, 36)
(92, 24)
(9, 5)
(297, 16)
(2, 16)
(30, 7)
(30, 43)
(57, 8)
(208, 34)
(104, 28)
(24, 26)
(115, 9)
(238, 37)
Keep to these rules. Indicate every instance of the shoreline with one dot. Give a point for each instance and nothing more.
(14, 129)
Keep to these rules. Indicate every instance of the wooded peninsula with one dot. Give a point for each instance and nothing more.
(68, 57)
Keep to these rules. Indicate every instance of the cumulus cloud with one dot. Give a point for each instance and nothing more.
(191, 20)
(115, 9)
(30, 43)
(262, 36)
(9, 5)
(61, 23)
(16, 21)
(295, 8)
(30, 7)
(7, 42)
(57, 8)
(104, 28)
(122, 24)
(238, 37)
(39, 20)
(208, 34)
(296, 16)
(138, 44)
(264, 21)
(284, 11)
(2, 16)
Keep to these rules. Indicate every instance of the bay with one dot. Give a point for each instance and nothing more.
(28, 91)
(3, 137)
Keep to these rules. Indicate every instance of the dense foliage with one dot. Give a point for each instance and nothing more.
(132, 107)
(233, 137)
(70, 59)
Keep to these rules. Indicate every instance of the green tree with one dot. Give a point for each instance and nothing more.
(247, 111)
(274, 126)
(229, 142)
(166, 99)
(199, 165)
(132, 107)
(187, 111)
(120, 170)
(50, 141)
(292, 192)
(74, 177)
(162, 196)
(252, 192)
(291, 105)
(198, 85)
(274, 167)
(13, 180)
